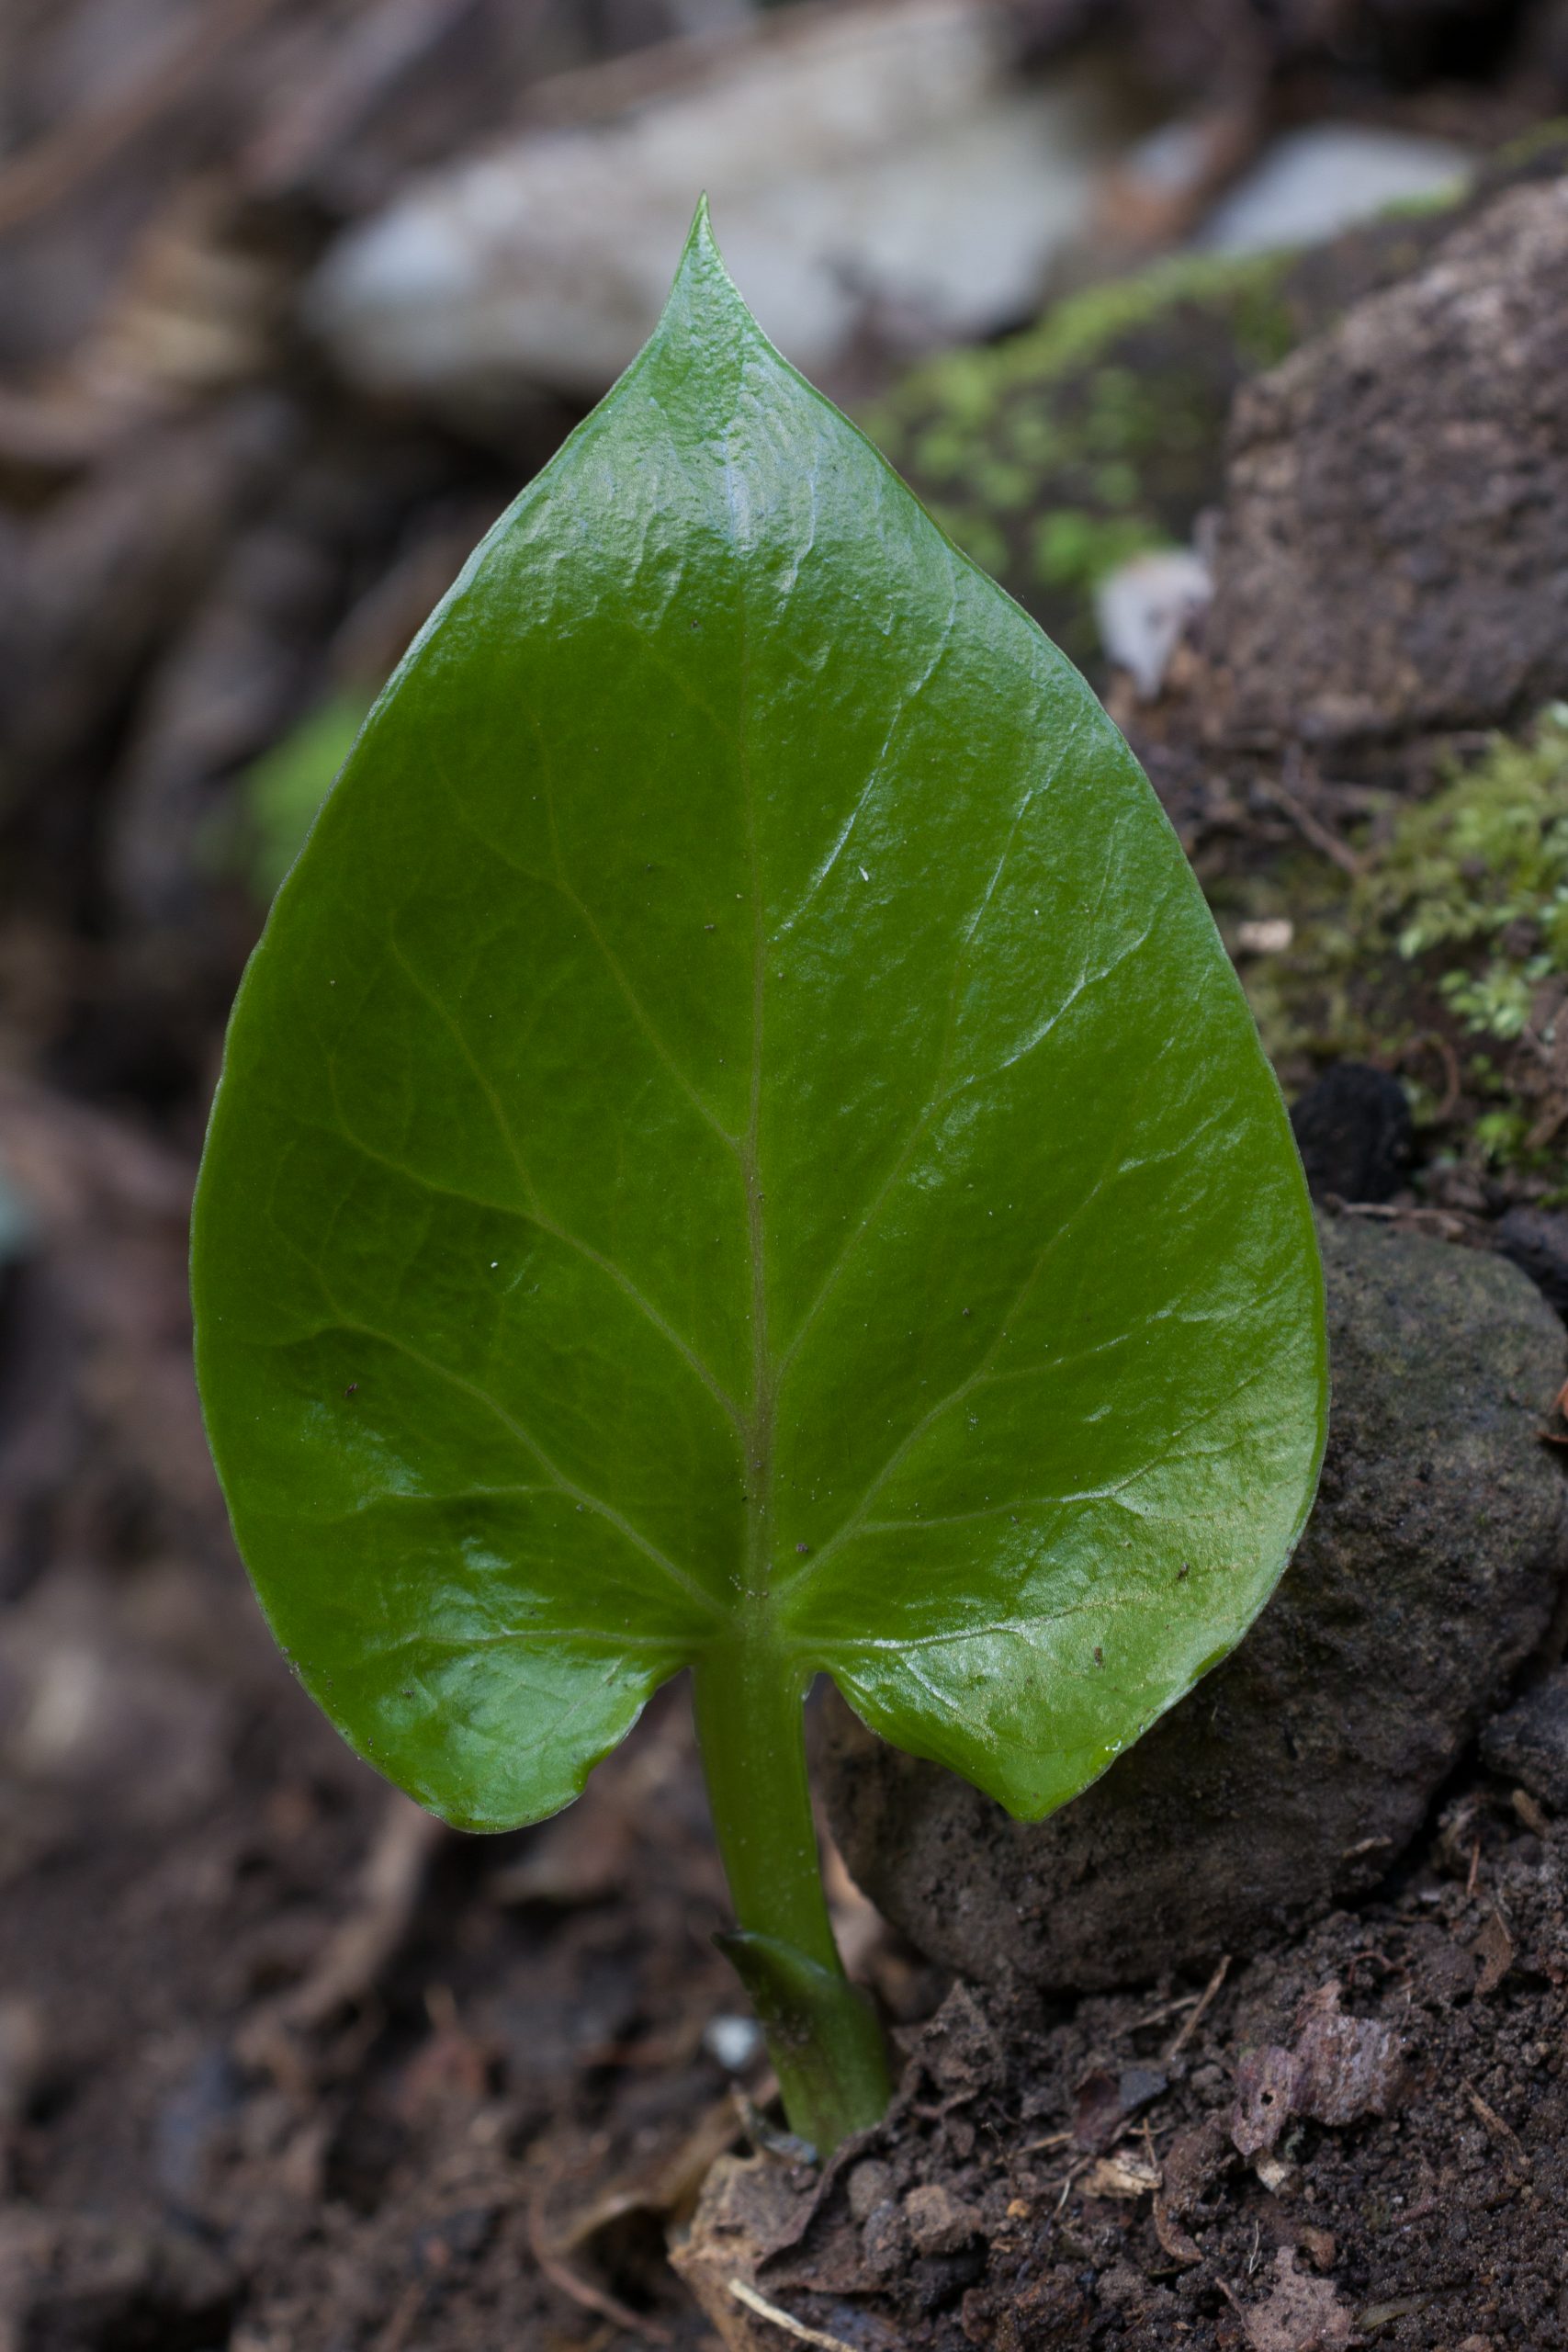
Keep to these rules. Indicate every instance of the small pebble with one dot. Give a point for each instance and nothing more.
(939, 2222)
(734, 2042)
(869, 2185)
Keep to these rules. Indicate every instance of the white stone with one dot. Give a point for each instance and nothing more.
(1315, 182)
(1144, 606)
(1268, 936)
(876, 162)
(734, 2042)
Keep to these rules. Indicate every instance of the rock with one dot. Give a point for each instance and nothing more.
(1312, 182)
(884, 2239)
(869, 2185)
(1297, 1772)
(868, 165)
(1354, 1133)
(1531, 1742)
(1095, 436)
(1144, 608)
(1537, 1241)
(939, 2222)
(1393, 554)
(1103, 2103)
(1098, 434)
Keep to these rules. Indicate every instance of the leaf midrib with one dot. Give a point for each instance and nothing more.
(757, 1435)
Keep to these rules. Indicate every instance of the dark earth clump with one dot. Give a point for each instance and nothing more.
(1421, 445)
(1300, 1770)
(1353, 1131)
(1531, 1742)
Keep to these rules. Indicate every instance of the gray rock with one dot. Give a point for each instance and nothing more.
(1394, 557)
(1531, 1742)
(1297, 1772)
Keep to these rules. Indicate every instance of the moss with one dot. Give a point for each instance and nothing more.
(1096, 435)
(1484, 868)
(1544, 142)
(1447, 955)
(276, 798)
(1076, 550)
(1446, 198)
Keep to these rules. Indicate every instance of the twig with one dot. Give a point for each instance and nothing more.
(46, 171)
(389, 1887)
(390, 1882)
(387, 43)
(764, 2309)
(584, 2293)
(405, 2313)
(1072, 2172)
(1189, 2026)
(1453, 1083)
(1503, 2133)
(619, 86)
(1158, 2017)
(1312, 828)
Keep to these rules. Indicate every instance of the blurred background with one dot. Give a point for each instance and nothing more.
(294, 296)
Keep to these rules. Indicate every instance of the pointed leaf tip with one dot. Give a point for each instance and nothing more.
(701, 257)
(704, 311)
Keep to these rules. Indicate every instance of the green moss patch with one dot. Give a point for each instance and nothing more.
(1445, 957)
(1053, 456)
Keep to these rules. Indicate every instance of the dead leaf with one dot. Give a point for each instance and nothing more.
(1337, 2068)
(1319, 2248)
(1530, 1814)
(1129, 2173)
(1173, 2239)
(1103, 2103)
(1194, 2161)
(1303, 2313)
(1494, 1947)
(1265, 2098)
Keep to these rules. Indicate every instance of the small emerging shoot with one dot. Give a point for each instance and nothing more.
(741, 1150)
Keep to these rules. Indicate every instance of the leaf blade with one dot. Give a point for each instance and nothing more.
(737, 1006)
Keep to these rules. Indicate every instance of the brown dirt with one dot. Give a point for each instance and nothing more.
(1396, 2077)
(257, 2096)
(188, 2167)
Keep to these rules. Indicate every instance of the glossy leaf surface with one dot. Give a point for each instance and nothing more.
(740, 1119)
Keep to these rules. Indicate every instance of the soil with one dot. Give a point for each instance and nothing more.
(1403, 2182)
(285, 2065)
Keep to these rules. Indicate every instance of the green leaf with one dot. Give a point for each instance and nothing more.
(741, 1140)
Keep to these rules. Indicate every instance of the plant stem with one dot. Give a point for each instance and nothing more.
(823, 2035)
